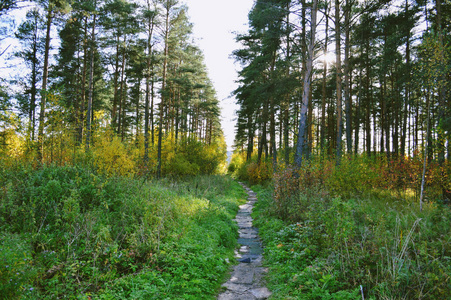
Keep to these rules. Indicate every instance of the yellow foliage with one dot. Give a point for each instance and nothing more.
(13, 144)
(112, 158)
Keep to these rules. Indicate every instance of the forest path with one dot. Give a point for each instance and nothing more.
(245, 282)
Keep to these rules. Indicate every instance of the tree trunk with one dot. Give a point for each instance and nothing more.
(262, 144)
(251, 133)
(324, 84)
(149, 71)
(357, 115)
(441, 88)
(306, 90)
(387, 122)
(426, 150)
(286, 113)
(368, 105)
(163, 86)
(407, 87)
(152, 97)
(339, 84)
(273, 135)
(91, 85)
(310, 124)
(347, 88)
(34, 82)
(116, 87)
(45, 72)
(121, 92)
(80, 117)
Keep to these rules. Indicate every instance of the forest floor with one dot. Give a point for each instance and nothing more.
(246, 278)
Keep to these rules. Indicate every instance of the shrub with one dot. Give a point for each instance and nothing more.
(286, 194)
(191, 158)
(259, 173)
(353, 177)
(179, 165)
(112, 158)
(237, 161)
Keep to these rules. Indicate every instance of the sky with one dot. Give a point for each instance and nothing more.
(215, 24)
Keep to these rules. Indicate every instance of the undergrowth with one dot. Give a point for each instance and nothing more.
(333, 238)
(69, 232)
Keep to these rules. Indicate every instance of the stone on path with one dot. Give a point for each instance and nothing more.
(261, 293)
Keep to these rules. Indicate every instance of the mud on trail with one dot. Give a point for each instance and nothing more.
(246, 281)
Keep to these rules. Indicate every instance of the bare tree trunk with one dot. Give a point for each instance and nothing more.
(441, 87)
(286, 113)
(121, 91)
(272, 129)
(262, 144)
(251, 134)
(310, 124)
(357, 115)
(91, 85)
(339, 84)
(407, 87)
(149, 71)
(272, 124)
(34, 80)
(324, 83)
(347, 88)
(306, 90)
(40, 153)
(116, 88)
(80, 117)
(425, 157)
(152, 97)
(163, 85)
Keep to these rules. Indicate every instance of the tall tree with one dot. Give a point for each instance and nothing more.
(347, 71)
(149, 15)
(52, 7)
(28, 34)
(169, 8)
(91, 77)
(338, 66)
(306, 90)
(442, 86)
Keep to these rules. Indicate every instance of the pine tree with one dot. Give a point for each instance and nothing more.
(28, 34)
(52, 7)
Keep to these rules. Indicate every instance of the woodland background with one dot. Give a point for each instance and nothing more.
(111, 147)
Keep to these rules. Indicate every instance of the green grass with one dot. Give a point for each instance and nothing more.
(384, 244)
(68, 232)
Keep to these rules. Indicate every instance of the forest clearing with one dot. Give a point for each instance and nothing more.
(114, 170)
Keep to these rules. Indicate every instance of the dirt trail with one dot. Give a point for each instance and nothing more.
(245, 282)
